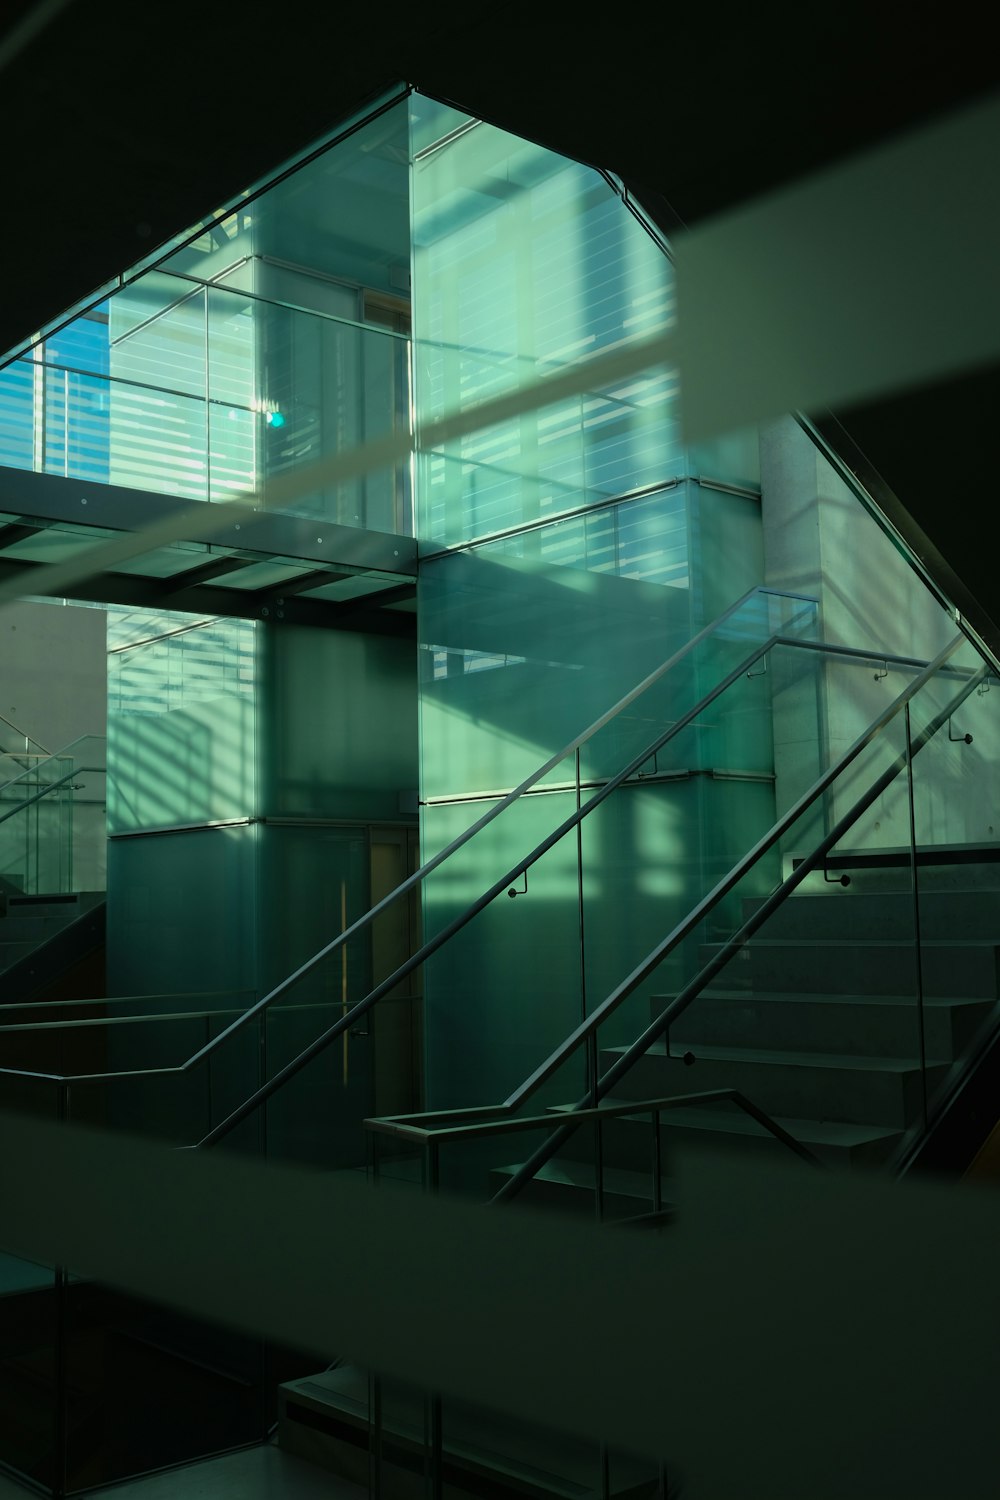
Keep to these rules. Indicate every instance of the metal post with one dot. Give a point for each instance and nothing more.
(61, 1465)
(605, 1472)
(437, 1448)
(599, 1167)
(657, 1163)
(918, 949)
(375, 1436)
(579, 895)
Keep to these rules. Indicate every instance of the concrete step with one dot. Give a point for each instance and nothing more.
(859, 1025)
(68, 906)
(628, 1141)
(861, 967)
(849, 914)
(839, 1144)
(885, 1091)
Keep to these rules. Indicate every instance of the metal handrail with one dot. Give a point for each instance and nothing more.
(351, 1016)
(401, 1127)
(24, 736)
(412, 881)
(50, 786)
(430, 947)
(66, 753)
(661, 1025)
(515, 872)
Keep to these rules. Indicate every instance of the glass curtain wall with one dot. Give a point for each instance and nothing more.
(565, 554)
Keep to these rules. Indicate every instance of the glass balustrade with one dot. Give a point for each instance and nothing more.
(53, 822)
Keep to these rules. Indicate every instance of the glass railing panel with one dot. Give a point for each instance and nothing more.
(485, 327)
(135, 1072)
(114, 1008)
(36, 841)
(149, 1387)
(303, 356)
(520, 643)
(957, 840)
(806, 1006)
(29, 1363)
(52, 822)
(182, 1105)
(497, 1017)
(661, 842)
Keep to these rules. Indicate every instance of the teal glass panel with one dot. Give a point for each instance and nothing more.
(339, 724)
(312, 393)
(17, 408)
(813, 1017)
(28, 1334)
(524, 263)
(340, 217)
(519, 655)
(957, 837)
(158, 428)
(314, 883)
(120, 1351)
(181, 912)
(52, 821)
(507, 988)
(732, 458)
(157, 330)
(182, 726)
(231, 386)
(29, 1325)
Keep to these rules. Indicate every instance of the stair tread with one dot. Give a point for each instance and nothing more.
(857, 1062)
(807, 1132)
(819, 997)
(619, 1180)
(858, 942)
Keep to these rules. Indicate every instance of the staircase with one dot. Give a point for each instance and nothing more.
(51, 945)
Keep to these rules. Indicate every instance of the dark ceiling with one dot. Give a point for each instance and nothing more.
(123, 124)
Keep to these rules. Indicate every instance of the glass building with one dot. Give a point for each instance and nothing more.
(679, 771)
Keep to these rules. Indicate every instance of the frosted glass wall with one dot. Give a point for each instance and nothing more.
(566, 555)
(525, 264)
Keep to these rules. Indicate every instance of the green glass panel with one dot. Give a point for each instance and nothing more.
(506, 989)
(181, 912)
(28, 1334)
(314, 883)
(347, 748)
(52, 821)
(151, 1388)
(181, 726)
(328, 386)
(525, 262)
(957, 836)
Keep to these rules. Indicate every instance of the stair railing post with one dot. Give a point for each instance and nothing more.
(61, 1465)
(599, 1167)
(580, 909)
(436, 1448)
(918, 946)
(605, 1473)
(657, 1163)
(375, 1437)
